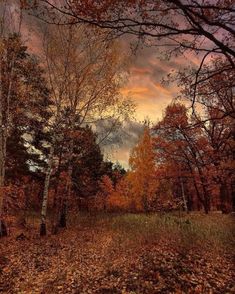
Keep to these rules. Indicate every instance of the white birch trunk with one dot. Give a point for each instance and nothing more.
(45, 192)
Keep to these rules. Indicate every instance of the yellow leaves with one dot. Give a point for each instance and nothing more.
(142, 176)
(137, 189)
(142, 156)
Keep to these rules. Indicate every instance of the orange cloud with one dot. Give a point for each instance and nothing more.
(136, 92)
(140, 71)
(160, 88)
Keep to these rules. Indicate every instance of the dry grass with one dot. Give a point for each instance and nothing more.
(190, 229)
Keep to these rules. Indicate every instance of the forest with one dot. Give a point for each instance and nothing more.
(72, 218)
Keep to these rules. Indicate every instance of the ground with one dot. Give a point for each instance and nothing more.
(113, 253)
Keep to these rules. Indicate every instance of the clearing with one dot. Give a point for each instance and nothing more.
(122, 253)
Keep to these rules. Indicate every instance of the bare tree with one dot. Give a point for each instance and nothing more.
(202, 28)
(169, 19)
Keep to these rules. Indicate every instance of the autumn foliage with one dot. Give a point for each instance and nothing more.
(178, 165)
(72, 220)
(57, 108)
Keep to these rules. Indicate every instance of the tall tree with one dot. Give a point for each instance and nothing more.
(85, 75)
(142, 174)
(7, 27)
(200, 151)
(86, 164)
(24, 99)
(177, 143)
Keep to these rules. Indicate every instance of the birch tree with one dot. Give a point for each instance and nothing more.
(85, 75)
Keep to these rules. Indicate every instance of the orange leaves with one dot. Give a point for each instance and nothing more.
(106, 185)
(142, 175)
(73, 134)
(175, 116)
(119, 199)
(136, 190)
(14, 198)
(194, 151)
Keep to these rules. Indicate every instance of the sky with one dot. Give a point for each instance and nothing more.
(144, 87)
(147, 71)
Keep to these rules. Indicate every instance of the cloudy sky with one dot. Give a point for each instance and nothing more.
(146, 71)
(145, 87)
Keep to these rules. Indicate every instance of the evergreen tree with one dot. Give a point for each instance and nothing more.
(23, 114)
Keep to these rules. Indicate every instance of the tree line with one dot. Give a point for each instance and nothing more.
(50, 104)
(178, 164)
(50, 158)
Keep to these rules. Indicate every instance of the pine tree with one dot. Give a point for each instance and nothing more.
(23, 113)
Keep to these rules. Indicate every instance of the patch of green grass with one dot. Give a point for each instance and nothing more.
(188, 230)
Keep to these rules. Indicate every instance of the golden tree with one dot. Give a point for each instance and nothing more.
(142, 175)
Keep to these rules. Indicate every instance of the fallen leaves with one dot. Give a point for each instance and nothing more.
(93, 260)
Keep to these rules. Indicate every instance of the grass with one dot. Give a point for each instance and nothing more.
(188, 230)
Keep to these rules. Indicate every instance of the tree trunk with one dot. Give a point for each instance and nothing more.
(199, 198)
(63, 215)
(3, 228)
(225, 198)
(206, 207)
(233, 196)
(43, 229)
(2, 176)
(56, 210)
(183, 195)
(63, 212)
(57, 199)
(206, 196)
(4, 125)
